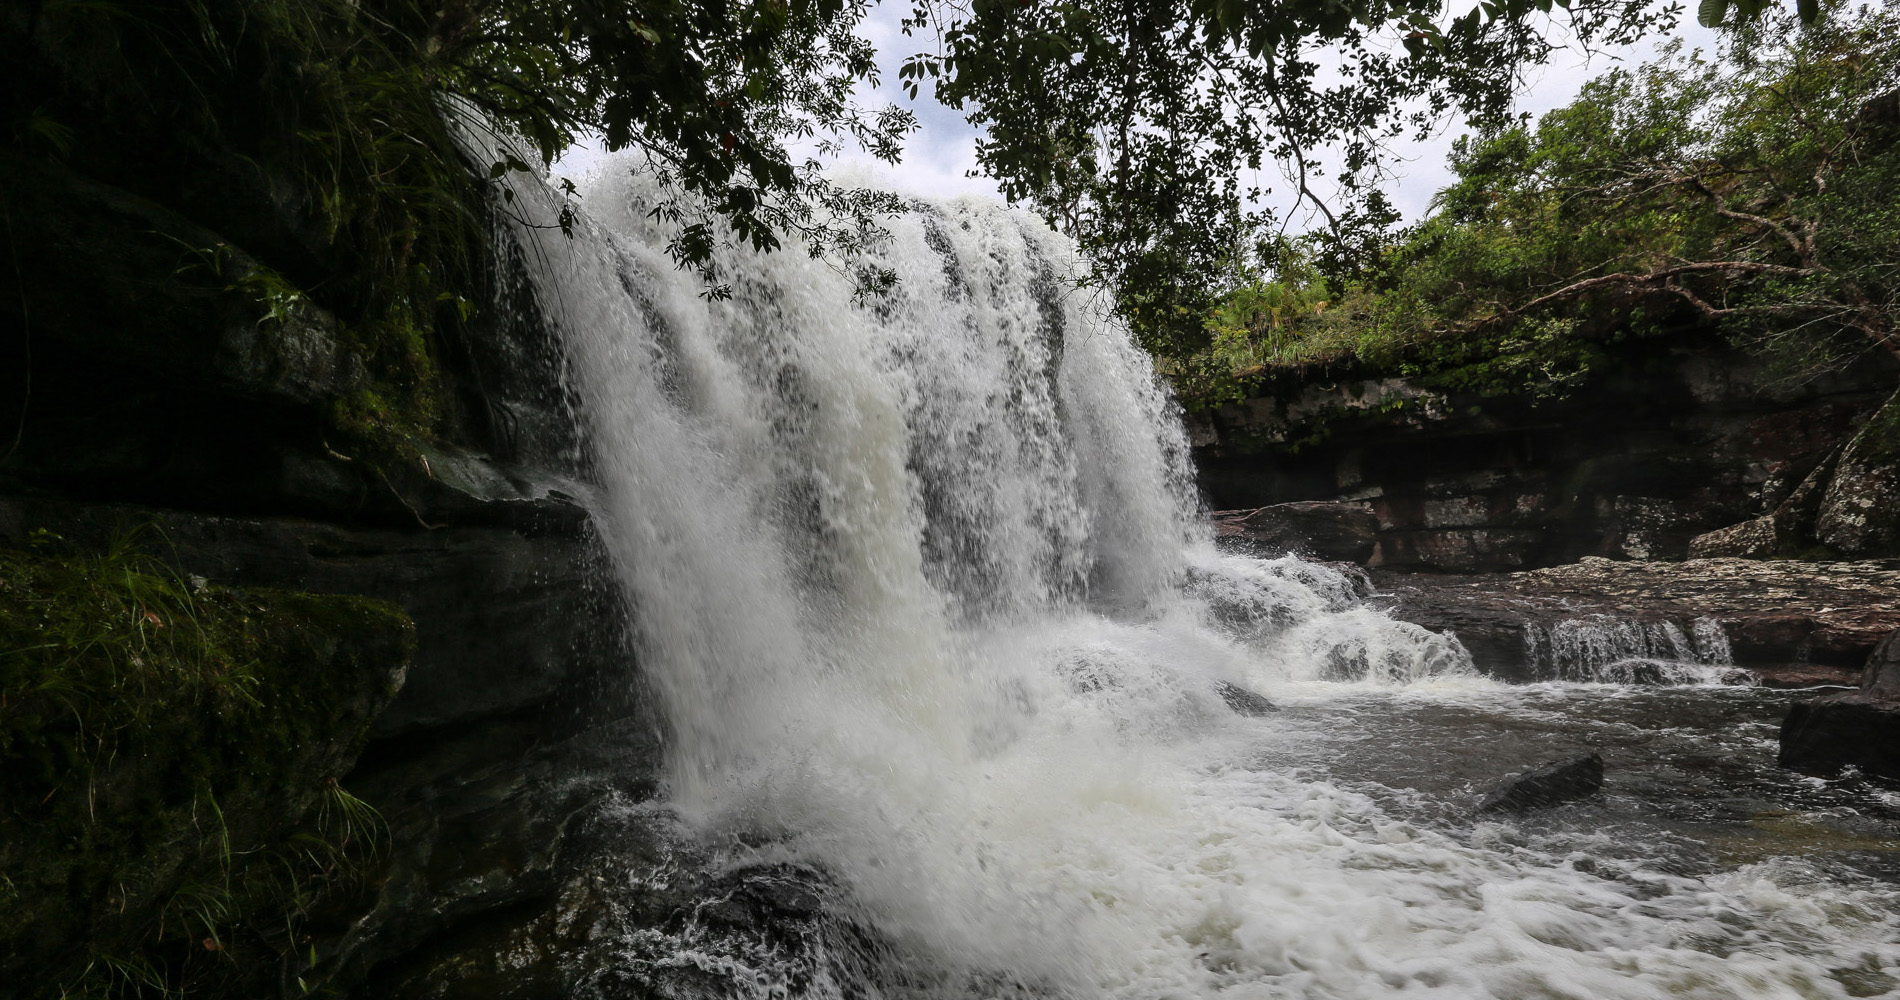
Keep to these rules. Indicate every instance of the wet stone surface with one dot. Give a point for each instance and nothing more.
(1773, 613)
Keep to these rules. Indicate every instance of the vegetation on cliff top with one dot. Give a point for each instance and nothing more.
(168, 755)
(1751, 193)
(1129, 125)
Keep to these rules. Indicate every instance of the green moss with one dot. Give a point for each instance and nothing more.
(168, 756)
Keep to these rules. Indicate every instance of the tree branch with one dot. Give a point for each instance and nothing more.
(1661, 279)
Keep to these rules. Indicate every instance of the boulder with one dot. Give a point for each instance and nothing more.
(1859, 728)
(1859, 515)
(1243, 701)
(1331, 530)
(1786, 529)
(1881, 677)
(1551, 784)
(1835, 731)
(1755, 539)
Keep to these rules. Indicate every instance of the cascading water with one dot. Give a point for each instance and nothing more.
(1603, 649)
(919, 582)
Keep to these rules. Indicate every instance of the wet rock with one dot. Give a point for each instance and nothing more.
(1460, 550)
(1805, 675)
(1771, 613)
(1881, 677)
(1551, 784)
(1858, 728)
(1835, 731)
(1337, 532)
(1243, 701)
(630, 896)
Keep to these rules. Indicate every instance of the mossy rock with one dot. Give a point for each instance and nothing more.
(169, 813)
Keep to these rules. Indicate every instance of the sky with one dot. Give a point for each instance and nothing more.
(942, 152)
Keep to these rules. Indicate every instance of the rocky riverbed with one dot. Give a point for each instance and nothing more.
(1792, 622)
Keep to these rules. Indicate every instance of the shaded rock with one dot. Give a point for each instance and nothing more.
(1338, 532)
(1460, 550)
(1243, 701)
(1552, 784)
(506, 619)
(1881, 677)
(1786, 530)
(1755, 539)
(1804, 675)
(117, 276)
(1859, 515)
(1669, 439)
(1829, 733)
(1858, 728)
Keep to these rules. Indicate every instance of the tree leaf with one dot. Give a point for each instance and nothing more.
(1710, 13)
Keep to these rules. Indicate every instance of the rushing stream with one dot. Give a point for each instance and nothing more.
(920, 584)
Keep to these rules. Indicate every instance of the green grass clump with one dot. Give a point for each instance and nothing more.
(170, 818)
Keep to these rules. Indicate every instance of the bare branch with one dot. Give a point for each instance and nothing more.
(1661, 280)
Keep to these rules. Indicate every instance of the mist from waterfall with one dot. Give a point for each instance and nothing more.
(919, 582)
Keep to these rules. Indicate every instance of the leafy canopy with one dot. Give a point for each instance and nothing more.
(1140, 127)
(1143, 127)
(1749, 192)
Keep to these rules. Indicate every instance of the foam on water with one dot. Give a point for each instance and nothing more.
(1608, 650)
(921, 587)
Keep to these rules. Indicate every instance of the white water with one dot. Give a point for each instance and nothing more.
(1607, 650)
(921, 588)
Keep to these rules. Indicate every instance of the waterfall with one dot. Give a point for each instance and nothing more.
(1604, 649)
(919, 581)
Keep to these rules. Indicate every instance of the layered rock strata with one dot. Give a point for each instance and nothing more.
(1677, 437)
(1790, 621)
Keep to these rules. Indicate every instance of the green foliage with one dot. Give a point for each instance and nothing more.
(1750, 193)
(717, 95)
(1138, 126)
(167, 749)
(1142, 128)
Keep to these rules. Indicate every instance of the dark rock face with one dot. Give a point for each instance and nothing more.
(112, 778)
(1881, 677)
(1860, 510)
(162, 395)
(1243, 701)
(1858, 728)
(185, 347)
(1679, 439)
(1335, 532)
(505, 620)
(1835, 731)
(1551, 784)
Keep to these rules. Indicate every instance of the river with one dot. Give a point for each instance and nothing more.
(923, 588)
